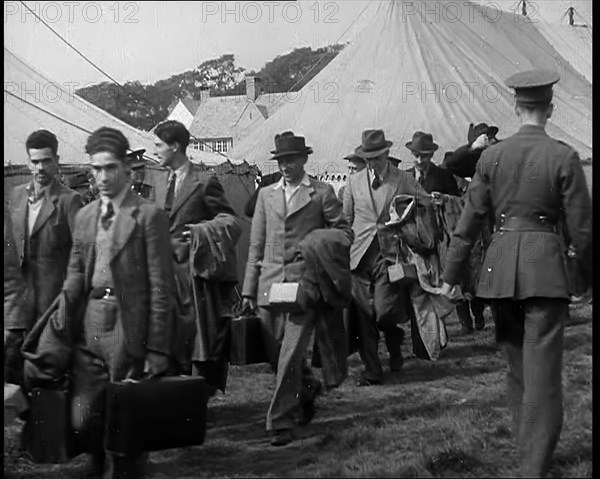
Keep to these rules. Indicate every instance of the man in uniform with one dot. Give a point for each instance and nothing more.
(528, 181)
(367, 200)
(42, 216)
(138, 174)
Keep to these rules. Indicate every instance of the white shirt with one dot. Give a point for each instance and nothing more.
(33, 211)
(181, 173)
(290, 190)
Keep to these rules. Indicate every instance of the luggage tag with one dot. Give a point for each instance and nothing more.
(284, 297)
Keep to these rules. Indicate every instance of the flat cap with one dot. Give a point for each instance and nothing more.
(533, 87)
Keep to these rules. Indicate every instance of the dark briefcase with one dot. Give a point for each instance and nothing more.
(155, 414)
(51, 438)
(247, 344)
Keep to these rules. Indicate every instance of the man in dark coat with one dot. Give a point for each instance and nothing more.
(462, 161)
(189, 197)
(119, 294)
(430, 176)
(42, 216)
(528, 181)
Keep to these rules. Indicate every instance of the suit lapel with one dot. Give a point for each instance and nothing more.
(277, 202)
(300, 199)
(124, 223)
(47, 209)
(89, 241)
(19, 222)
(190, 183)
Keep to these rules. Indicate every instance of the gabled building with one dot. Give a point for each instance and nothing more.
(220, 122)
(183, 110)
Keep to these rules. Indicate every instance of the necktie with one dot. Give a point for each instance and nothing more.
(108, 215)
(376, 181)
(170, 194)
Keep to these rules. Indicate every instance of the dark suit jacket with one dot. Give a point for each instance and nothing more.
(438, 179)
(44, 255)
(201, 197)
(142, 270)
(277, 231)
(527, 175)
(463, 161)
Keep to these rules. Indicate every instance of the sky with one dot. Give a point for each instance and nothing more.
(149, 41)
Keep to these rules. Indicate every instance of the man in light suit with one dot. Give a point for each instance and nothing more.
(192, 196)
(42, 213)
(285, 213)
(118, 291)
(367, 201)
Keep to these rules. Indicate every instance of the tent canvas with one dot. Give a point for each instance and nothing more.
(33, 101)
(417, 67)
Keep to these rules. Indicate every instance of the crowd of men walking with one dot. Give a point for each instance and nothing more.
(139, 296)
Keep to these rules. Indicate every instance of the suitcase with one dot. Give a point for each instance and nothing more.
(247, 344)
(155, 414)
(403, 274)
(51, 438)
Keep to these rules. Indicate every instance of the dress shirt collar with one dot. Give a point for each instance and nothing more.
(282, 184)
(182, 170)
(116, 201)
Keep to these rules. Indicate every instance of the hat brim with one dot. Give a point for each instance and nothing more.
(410, 147)
(281, 154)
(372, 154)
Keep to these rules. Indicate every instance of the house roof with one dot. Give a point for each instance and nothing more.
(191, 104)
(217, 117)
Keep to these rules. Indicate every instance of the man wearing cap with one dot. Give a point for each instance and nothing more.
(528, 181)
(430, 176)
(193, 196)
(42, 214)
(356, 164)
(138, 174)
(286, 212)
(119, 293)
(367, 201)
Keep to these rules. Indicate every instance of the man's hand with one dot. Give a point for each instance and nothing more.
(436, 198)
(445, 289)
(187, 233)
(482, 141)
(156, 363)
(248, 305)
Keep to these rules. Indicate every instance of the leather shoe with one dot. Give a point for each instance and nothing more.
(363, 381)
(282, 437)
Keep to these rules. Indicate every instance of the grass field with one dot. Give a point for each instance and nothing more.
(435, 419)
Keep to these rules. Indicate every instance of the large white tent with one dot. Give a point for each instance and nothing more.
(33, 101)
(422, 65)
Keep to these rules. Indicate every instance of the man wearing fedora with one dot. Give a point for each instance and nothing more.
(367, 199)
(524, 274)
(430, 176)
(286, 212)
(462, 161)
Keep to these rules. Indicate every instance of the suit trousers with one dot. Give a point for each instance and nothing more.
(532, 333)
(101, 356)
(294, 376)
(368, 331)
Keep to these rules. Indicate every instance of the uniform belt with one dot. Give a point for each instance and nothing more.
(521, 223)
(102, 293)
